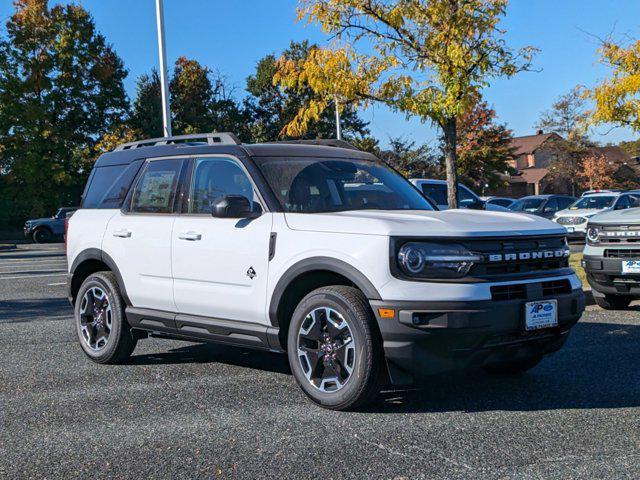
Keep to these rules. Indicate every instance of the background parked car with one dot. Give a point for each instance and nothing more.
(542, 205)
(436, 190)
(42, 230)
(575, 218)
(500, 201)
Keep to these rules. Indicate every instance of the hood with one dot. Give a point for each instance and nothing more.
(39, 220)
(580, 212)
(450, 223)
(630, 216)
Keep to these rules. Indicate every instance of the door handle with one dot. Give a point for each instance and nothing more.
(191, 236)
(124, 233)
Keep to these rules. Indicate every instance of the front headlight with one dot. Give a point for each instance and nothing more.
(593, 234)
(436, 261)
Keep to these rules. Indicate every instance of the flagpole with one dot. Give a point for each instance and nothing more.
(164, 89)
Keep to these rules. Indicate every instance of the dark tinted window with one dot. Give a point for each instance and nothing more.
(157, 188)
(214, 178)
(623, 203)
(109, 185)
(551, 205)
(503, 202)
(527, 205)
(565, 202)
(436, 192)
(314, 185)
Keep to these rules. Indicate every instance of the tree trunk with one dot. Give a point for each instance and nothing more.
(451, 160)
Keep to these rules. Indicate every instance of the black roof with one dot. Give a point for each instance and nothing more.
(276, 149)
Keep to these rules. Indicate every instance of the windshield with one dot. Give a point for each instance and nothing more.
(596, 202)
(527, 205)
(316, 185)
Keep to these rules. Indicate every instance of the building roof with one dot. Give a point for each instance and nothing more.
(534, 175)
(530, 143)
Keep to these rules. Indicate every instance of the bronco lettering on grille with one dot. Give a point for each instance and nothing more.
(534, 255)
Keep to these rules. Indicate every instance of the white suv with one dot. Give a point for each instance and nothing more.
(321, 251)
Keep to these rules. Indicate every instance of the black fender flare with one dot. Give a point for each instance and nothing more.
(97, 254)
(319, 263)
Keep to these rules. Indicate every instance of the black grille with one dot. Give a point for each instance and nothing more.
(509, 292)
(515, 246)
(556, 287)
(621, 253)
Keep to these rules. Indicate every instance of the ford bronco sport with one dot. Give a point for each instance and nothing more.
(321, 251)
(612, 258)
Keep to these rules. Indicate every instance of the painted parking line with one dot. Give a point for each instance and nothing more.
(56, 284)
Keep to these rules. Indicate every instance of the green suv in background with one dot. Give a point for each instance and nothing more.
(612, 258)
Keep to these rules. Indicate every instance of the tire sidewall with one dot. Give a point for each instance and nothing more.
(117, 325)
(364, 350)
(44, 233)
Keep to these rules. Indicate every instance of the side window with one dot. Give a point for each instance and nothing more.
(465, 197)
(436, 192)
(552, 205)
(157, 187)
(109, 186)
(634, 200)
(215, 177)
(623, 203)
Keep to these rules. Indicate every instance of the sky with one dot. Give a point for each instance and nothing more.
(230, 36)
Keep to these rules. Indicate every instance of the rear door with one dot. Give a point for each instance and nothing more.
(220, 264)
(138, 238)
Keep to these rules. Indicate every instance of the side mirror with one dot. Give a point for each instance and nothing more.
(477, 205)
(234, 206)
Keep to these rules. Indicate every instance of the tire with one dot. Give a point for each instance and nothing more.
(106, 337)
(41, 235)
(513, 367)
(613, 302)
(353, 349)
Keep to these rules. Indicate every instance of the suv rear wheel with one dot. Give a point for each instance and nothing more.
(103, 331)
(613, 302)
(334, 348)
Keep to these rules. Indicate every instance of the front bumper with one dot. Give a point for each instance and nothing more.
(605, 276)
(457, 335)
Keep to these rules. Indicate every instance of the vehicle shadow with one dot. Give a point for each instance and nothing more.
(598, 368)
(26, 310)
(217, 353)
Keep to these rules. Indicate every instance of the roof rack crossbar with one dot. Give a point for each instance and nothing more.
(222, 138)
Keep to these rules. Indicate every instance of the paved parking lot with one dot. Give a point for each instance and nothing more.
(183, 410)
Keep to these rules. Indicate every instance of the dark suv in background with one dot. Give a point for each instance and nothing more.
(43, 230)
(543, 205)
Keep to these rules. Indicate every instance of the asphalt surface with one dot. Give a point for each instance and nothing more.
(183, 410)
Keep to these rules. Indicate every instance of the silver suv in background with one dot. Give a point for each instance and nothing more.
(612, 258)
(575, 218)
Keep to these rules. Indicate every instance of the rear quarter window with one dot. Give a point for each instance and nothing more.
(108, 186)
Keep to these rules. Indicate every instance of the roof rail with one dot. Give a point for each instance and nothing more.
(222, 138)
(327, 142)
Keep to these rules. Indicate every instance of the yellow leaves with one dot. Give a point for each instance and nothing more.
(617, 99)
(427, 58)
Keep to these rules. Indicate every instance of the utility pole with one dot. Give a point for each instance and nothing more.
(338, 127)
(164, 89)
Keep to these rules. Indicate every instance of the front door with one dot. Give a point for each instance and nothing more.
(139, 238)
(220, 265)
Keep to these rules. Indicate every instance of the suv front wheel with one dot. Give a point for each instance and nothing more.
(334, 348)
(103, 331)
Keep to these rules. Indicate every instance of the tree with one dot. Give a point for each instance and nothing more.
(617, 99)
(596, 173)
(61, 89)
(484, 147)
(567, 117)
(424, 58)
(273, 107)
(412, 161)
(191, 97)
(146, 114)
